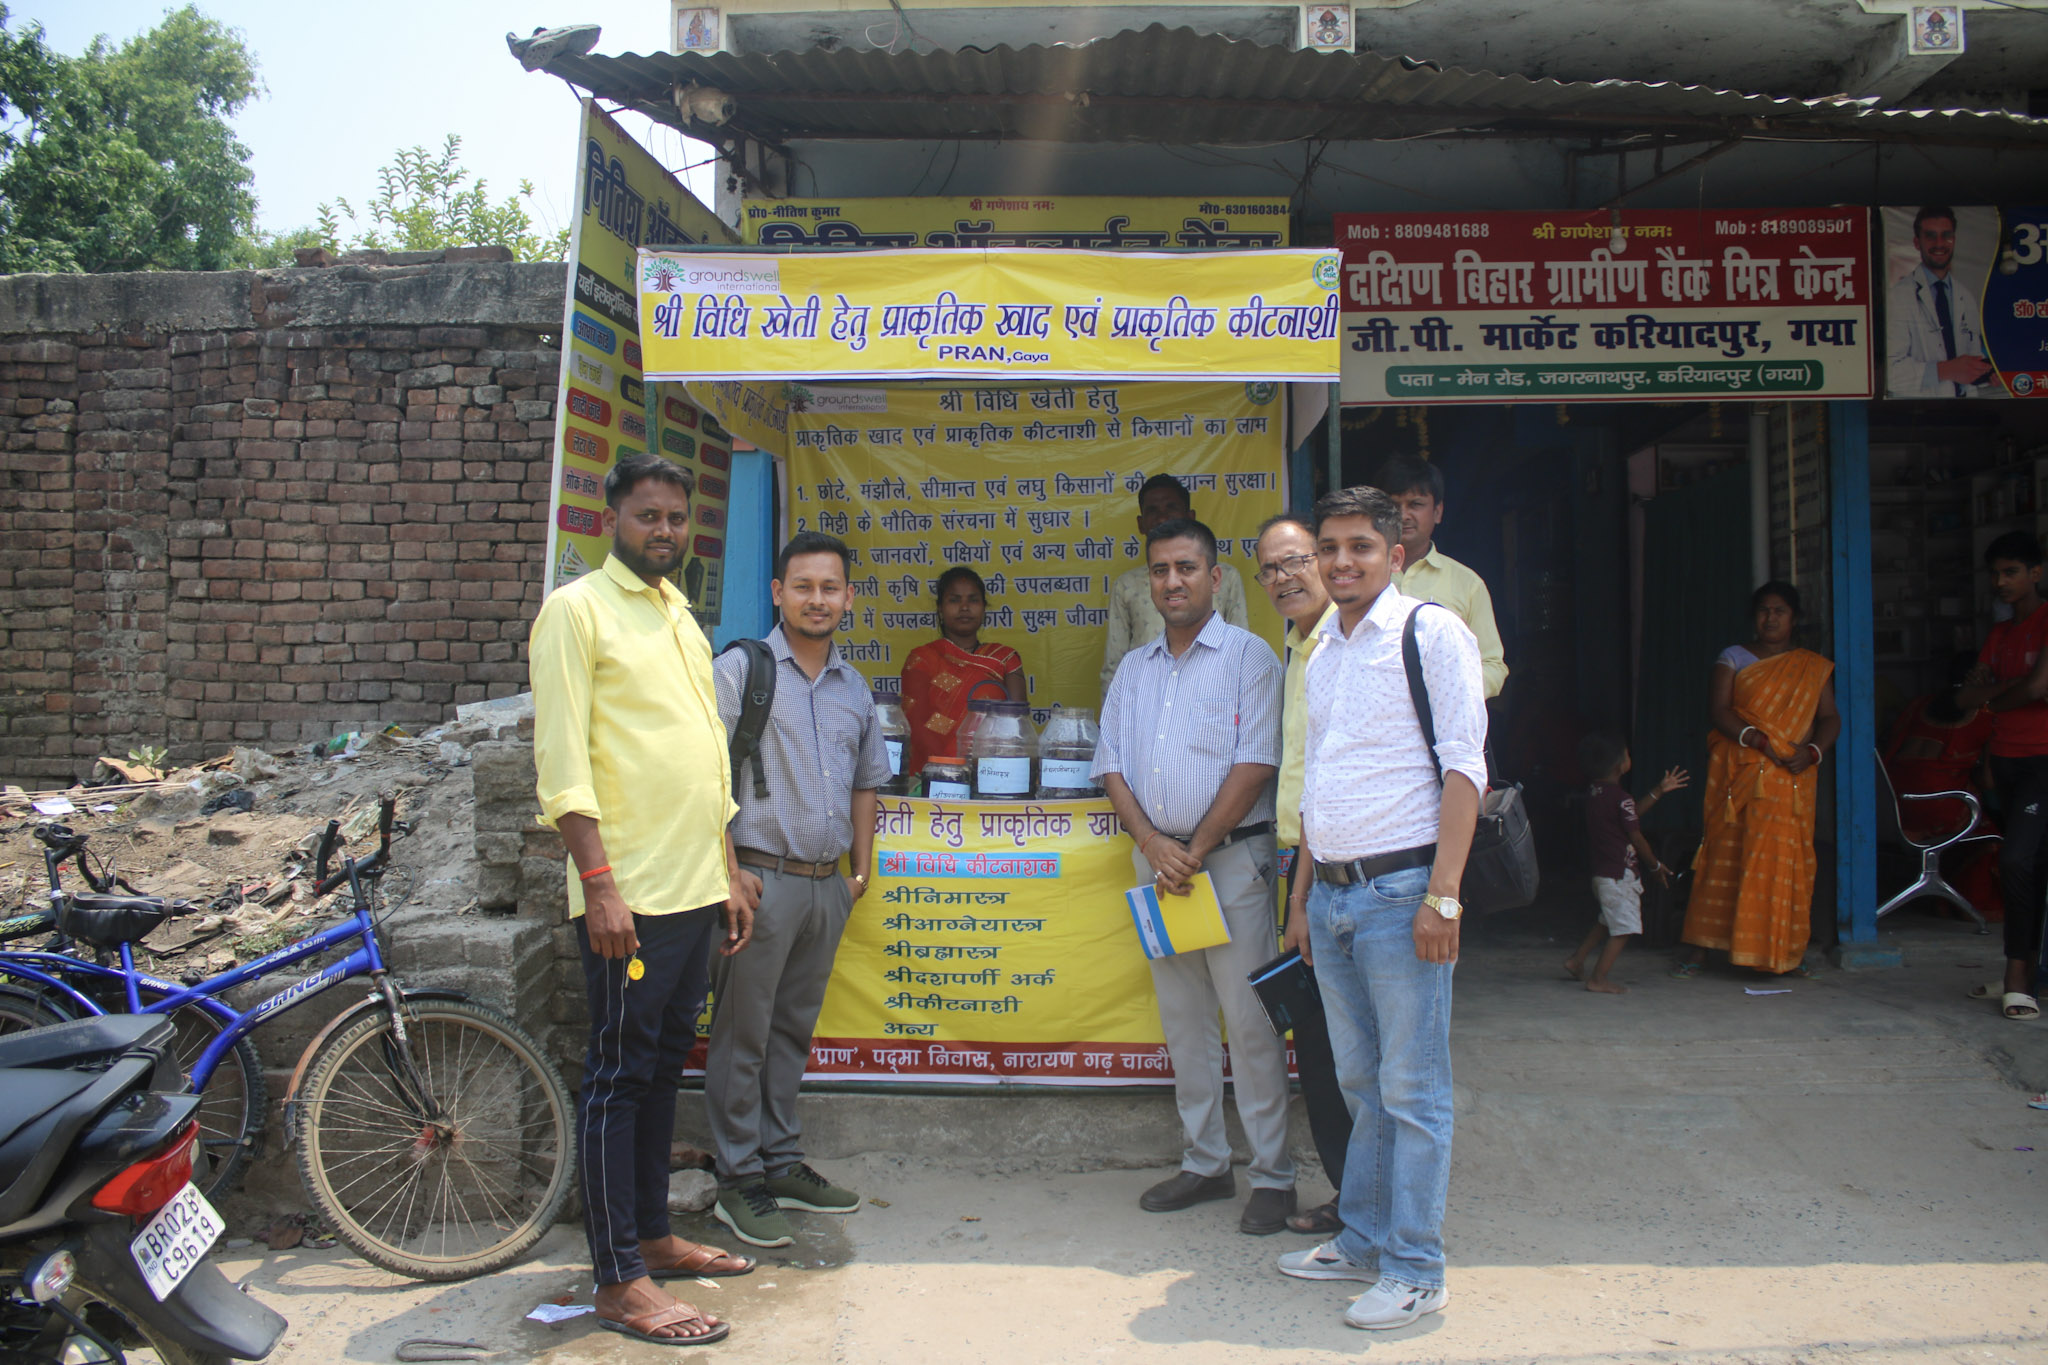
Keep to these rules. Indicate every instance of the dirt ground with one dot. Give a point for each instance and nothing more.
(250, 872)
(1687, 1174)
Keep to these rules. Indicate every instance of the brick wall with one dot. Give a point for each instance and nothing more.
(266, 506)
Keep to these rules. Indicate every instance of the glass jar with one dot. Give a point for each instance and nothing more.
(896, 739)
(1003, 752)
(1065, 753)
(946, 778)
(963, 736)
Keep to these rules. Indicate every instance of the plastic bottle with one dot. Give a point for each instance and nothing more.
(1065, 753)
(896, 738)
(946, 778)
(1003, 752)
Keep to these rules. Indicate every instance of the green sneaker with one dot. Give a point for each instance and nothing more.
(754, 1216)
(800, 1187)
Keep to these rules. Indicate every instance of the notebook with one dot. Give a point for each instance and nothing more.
(1178, 924)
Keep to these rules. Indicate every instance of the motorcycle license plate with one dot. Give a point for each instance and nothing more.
(176, 1240)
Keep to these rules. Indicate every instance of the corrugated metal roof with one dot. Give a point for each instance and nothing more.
(1179, 86)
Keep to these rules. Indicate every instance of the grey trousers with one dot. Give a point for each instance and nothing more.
(1193, 987)
(765, 1002)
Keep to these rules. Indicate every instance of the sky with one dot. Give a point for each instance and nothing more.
(348, 86)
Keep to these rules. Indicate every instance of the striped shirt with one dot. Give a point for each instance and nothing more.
(822, 744)
(1174, 728)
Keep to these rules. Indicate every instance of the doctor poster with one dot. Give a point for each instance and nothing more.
(1966, 301)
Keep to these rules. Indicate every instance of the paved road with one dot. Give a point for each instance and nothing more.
(1685, 1174)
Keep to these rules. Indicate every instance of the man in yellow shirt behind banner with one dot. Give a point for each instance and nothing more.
(634, 773)
(1430, 575)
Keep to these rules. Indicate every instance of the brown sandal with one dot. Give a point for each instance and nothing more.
(700, 1260)
(1320, 1221)
(646, 1325)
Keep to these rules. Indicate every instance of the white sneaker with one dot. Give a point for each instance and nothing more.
(1325, 1262)
(1388, 1305)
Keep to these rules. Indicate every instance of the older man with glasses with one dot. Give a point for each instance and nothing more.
(1286, 556)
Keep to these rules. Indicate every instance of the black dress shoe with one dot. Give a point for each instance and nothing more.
(1187, 1189)
(1266, 1212)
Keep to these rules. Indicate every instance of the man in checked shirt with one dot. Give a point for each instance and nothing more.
(1387, 838)
(1190, 742)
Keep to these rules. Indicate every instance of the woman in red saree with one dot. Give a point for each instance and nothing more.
(942, 677)
(1774, 720)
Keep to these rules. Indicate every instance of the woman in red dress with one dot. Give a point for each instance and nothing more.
(942, 677)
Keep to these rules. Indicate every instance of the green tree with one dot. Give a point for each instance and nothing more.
(426, 202)
(122, 158)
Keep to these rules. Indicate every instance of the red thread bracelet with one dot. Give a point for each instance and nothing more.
(586, 876)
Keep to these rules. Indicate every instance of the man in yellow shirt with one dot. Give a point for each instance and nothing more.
(1133, 620)
(1430, 575)
(634, 773)
(1286, 556)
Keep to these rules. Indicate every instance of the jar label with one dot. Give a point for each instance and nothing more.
(946, 791)
(895, 756)
(1003, 776)
(1064, 773)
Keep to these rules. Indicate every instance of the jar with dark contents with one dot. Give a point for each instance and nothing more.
(896, 739)
(946, 778)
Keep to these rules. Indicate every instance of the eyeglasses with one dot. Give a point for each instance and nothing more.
(1285, 567)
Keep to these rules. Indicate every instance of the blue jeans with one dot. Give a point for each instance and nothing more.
(1390, 1023)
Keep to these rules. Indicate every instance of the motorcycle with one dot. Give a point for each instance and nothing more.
(103, 1236)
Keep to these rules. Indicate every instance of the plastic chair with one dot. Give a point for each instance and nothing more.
(1930, 881)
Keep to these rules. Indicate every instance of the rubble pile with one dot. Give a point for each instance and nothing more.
(237, 834)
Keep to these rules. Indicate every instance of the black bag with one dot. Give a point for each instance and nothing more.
(757, 699)
(1500, 872)
(1286, 988)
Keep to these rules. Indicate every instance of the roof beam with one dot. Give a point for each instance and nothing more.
(1886, 69)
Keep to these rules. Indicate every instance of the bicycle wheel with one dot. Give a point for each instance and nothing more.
(231, 1108)
(451, 1175)
(22, 1007)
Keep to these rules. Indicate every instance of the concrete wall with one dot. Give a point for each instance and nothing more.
(266, 506)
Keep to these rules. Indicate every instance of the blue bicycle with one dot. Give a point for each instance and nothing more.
(432, 1132)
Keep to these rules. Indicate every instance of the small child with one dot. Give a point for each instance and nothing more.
(1616, 841)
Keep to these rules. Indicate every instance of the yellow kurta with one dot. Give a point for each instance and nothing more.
(1754, 893)
(626, 731)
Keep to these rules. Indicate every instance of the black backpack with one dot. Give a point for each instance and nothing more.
(757, 698)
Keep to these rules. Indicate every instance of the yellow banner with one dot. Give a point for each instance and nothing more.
(999, 313)
(606, 409)
(1036, 488)
(1072, 221)
(994, 945)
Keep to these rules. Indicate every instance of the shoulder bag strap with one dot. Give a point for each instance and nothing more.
(1418, 688)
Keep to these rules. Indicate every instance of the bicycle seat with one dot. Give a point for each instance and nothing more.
(110, 921)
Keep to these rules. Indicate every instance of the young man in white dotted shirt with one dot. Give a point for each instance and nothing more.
(1387, 838)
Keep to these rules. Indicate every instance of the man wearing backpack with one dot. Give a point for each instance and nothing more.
(806, 799)
(1388, 840)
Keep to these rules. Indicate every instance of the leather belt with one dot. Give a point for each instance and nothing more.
(1236, 836)
(1365, 869)
(817, 872)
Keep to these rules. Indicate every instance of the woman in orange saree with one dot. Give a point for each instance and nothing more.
(1774, 720)
(940, 678)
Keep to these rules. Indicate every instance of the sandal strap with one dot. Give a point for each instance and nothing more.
(700, 1257)
(674, 1315)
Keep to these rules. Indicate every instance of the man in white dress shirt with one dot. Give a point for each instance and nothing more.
(1190, 742)
(1934, 341)
(1387, 840)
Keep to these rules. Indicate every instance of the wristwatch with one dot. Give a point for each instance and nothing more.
(1447, 906)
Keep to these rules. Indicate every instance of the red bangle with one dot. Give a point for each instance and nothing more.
(595, 871)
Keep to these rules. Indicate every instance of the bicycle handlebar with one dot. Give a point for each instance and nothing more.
(323, 883)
